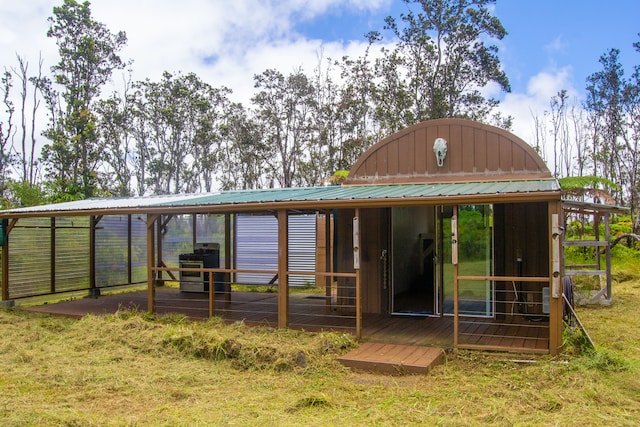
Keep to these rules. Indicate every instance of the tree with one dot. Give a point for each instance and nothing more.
(115, 124)
(604, 104)
(177, 126)
(284, 106)
(560, 133)
(6, 131)
(88, 56)
(242, 152)
(632, 142)
(26, 156)
(440, 63)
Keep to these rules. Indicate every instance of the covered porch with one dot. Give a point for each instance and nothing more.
(308, 312)
(399, 203)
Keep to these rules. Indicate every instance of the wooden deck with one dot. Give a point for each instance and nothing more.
(393, 358)
(310, 312)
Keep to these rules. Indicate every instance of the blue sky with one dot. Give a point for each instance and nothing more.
(543, 34)
(551, 45)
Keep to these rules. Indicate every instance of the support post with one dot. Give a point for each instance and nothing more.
(212, 295)
(607, 238)
(283, 267)
(52, 260)
(151, 290)
(454, 261)
(194, 230)
(5, 265)
(227, 257)
(129, 250)
(356, 266)
(158, 263)
(93, 289)
(555, 279)
(328, 259)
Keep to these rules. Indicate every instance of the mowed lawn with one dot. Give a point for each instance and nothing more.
(134, 370)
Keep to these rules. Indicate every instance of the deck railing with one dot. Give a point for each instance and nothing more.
(309, 308)
(515, 317)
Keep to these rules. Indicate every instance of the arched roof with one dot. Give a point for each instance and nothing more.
(475, 152)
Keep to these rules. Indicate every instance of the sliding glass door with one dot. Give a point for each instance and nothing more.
(475, 258)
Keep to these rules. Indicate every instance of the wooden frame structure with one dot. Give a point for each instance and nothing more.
(599, 244)
(483, 165)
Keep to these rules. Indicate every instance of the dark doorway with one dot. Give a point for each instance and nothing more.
(413, 288)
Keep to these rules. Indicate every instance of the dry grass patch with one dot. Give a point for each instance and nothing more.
(132, 369)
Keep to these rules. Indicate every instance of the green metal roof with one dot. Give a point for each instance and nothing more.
(368, 192)
(302, 198)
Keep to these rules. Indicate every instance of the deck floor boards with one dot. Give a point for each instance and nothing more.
(312, 314)
(393, 358)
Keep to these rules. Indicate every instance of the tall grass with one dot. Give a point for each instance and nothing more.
(133, 369)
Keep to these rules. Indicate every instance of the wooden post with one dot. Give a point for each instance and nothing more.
(52, 260)
(227, 257)
(356, 264)
(5, 266)
(328, 258)
(92, 257)
(151, 291)
(555, 269)
(194, 230)
(212, 295)
(159, 227)
(454, 262)
(607, 239)
(129, 250)
(283, 267)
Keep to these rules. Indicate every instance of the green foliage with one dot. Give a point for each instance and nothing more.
(88, 56)
(23, 194)
(473, 233)
(440, 63)
(588, 181)
(603, 360)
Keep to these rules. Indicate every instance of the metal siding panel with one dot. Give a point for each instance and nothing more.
(72, 256)
(138, 251)
(257, 247)
(111, 251)
(29, 260)
(302, 248)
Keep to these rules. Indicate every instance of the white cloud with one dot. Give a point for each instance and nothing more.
(227, 42)
(540, 88)
(557, 45)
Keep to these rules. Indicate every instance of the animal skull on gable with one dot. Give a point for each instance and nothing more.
(440, 148)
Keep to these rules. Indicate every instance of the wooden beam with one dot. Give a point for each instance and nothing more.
(607, 249)
(212, 294)
(283, 266)
(151, 291)
(52, 260)
(194, 230)
(454, 260)
(129, 250)
(328, 258)
(227, 256)
(5, 264)
(357, 252)
(555, 301)
(92, 253)
(159, 232)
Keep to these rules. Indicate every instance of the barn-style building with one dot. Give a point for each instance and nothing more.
(446, 233)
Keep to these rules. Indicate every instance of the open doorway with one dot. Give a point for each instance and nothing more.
(413, 253)
(421, 261)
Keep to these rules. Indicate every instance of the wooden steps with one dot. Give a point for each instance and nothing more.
(392, 359)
